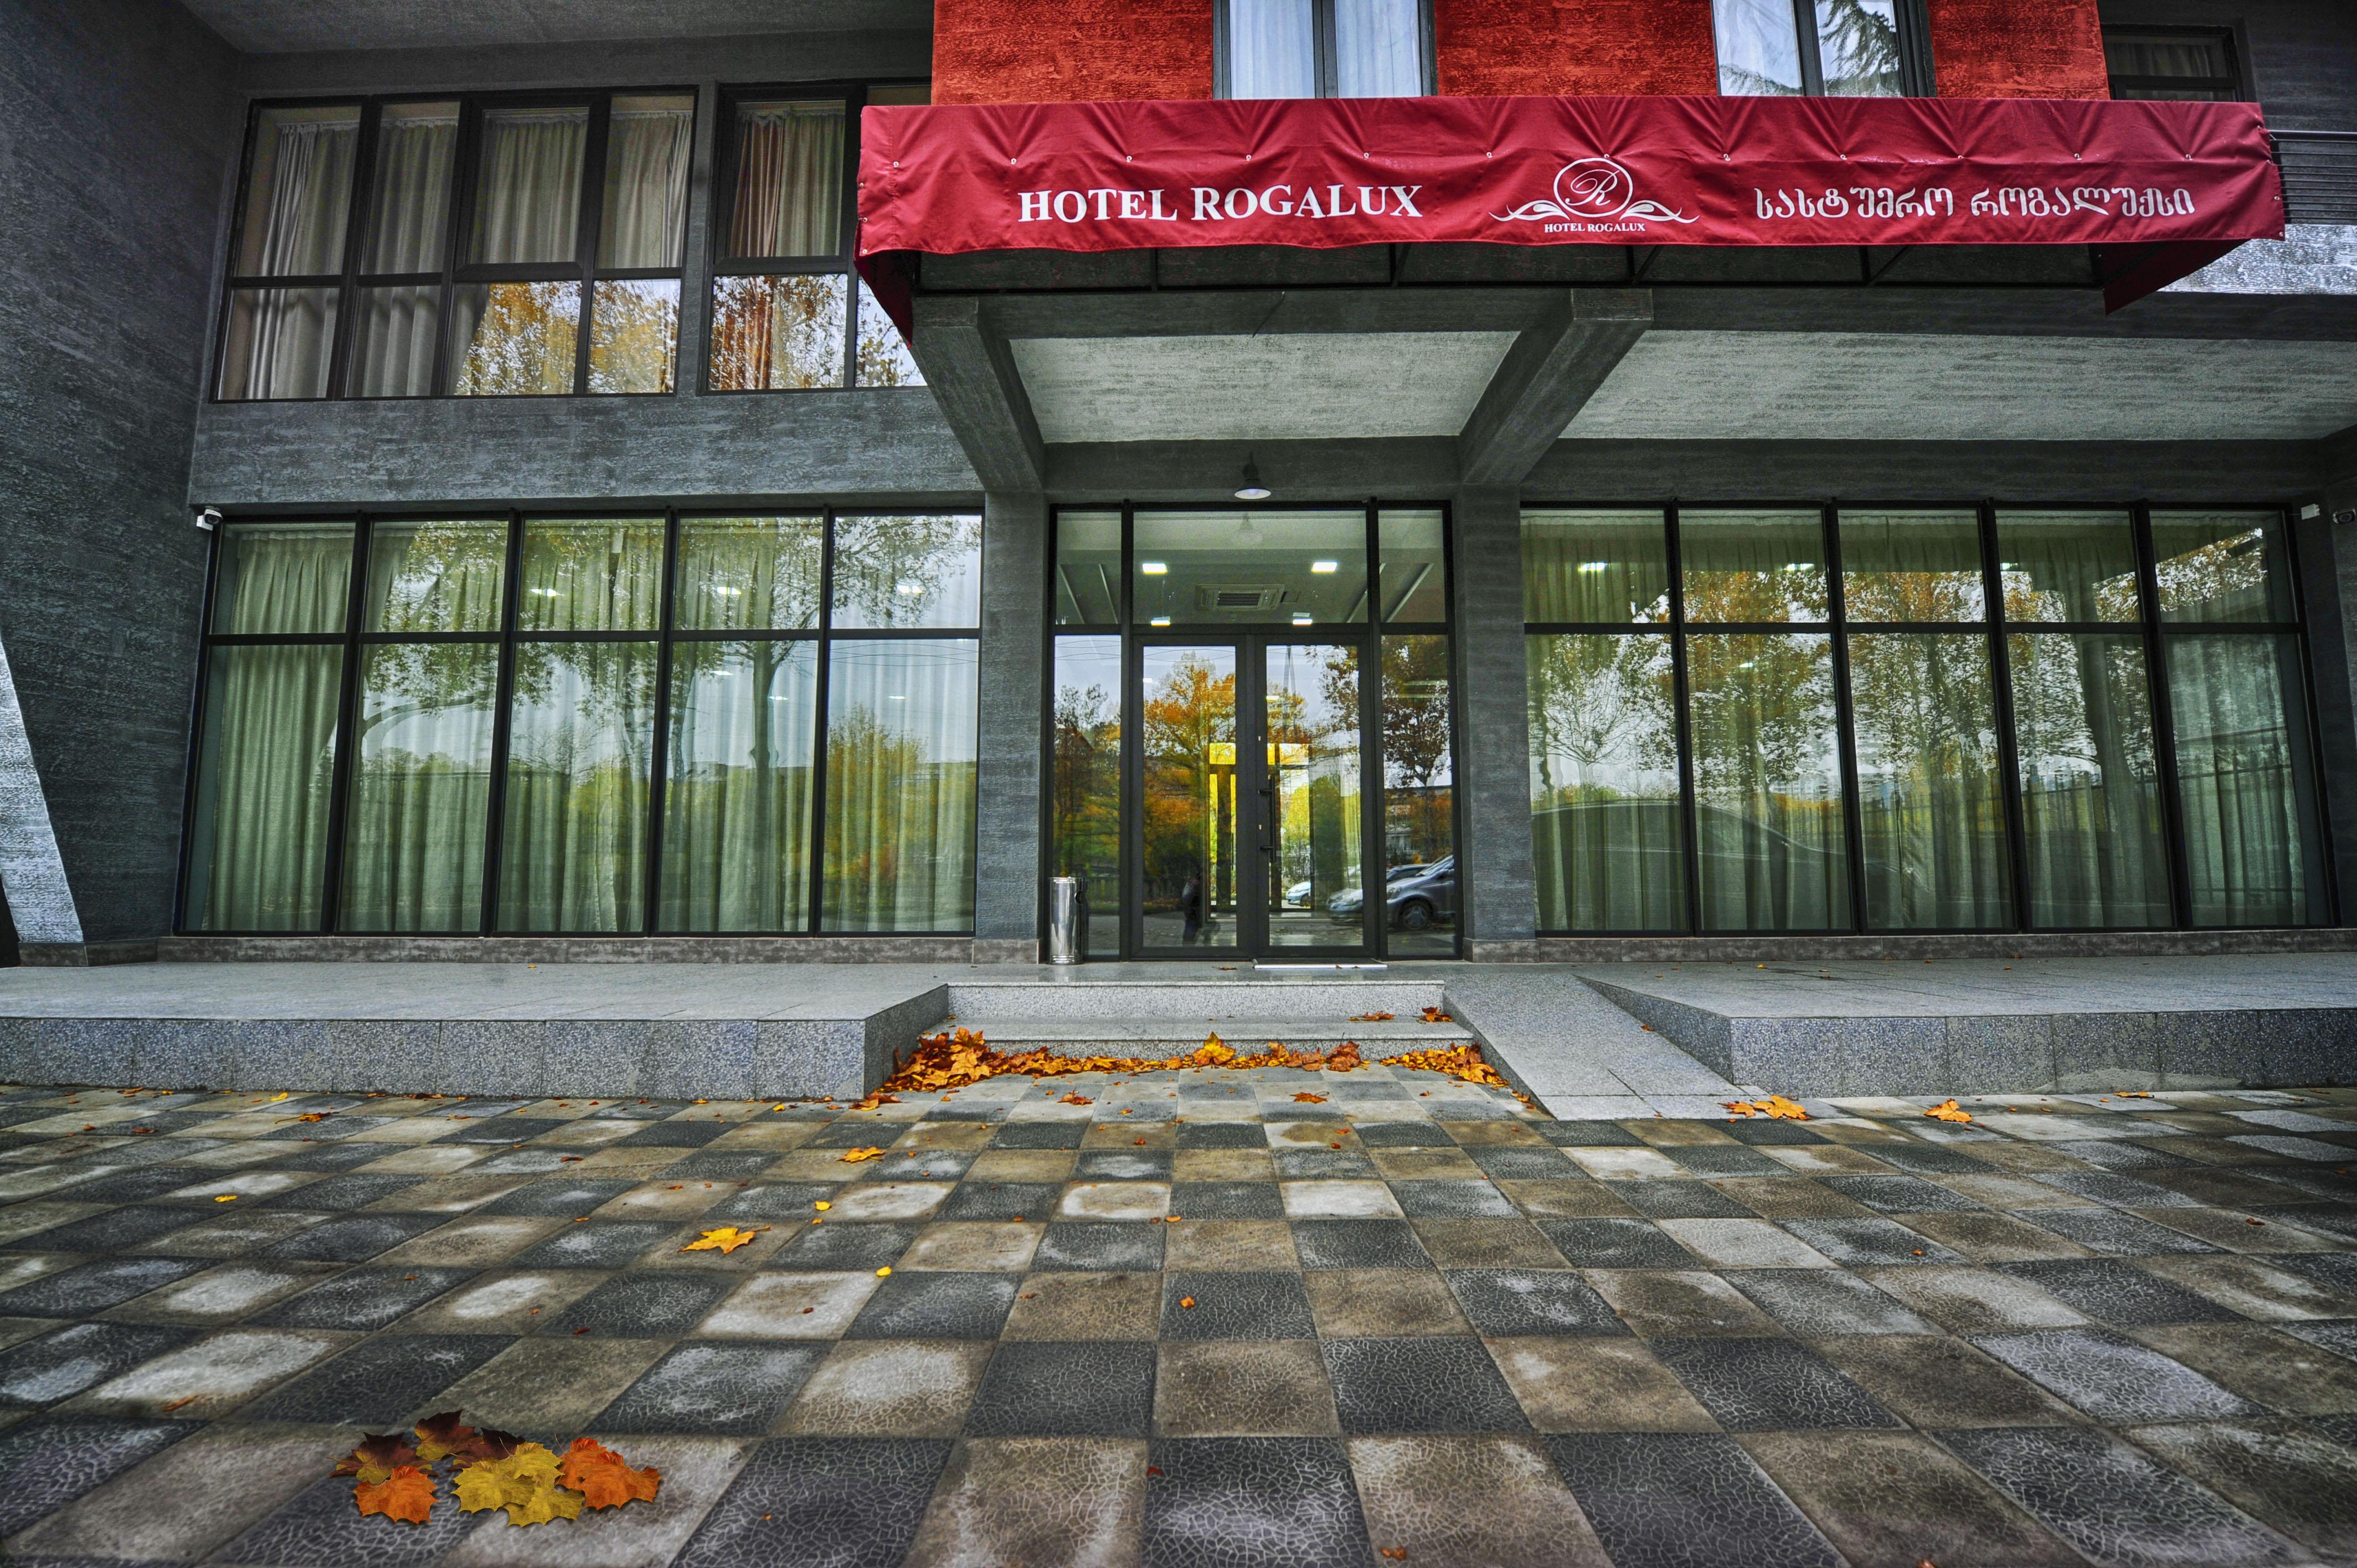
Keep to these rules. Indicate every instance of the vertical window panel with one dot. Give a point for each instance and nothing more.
(298, 191)
(2222, 566)
(2067, 566)
(528, 186)
(1250, 567)
(778, 334)
(883, 357)
(392, 341)
(1414, 571)
(1753, 566)
(1600, 568)
(434, 576)
(421, 787)
(1758, 47)
(258, 839)
(581, 731)
(1088, 568)
(901, 752)
(1419, 856)
(1378, 49)
(739, 782)
(1271, 48)
(789, 169)
(1931, 791)
(278, 344)
(900, 572)
(283, 579)
(1768, 786)
(634, 335)
(748, 574)
(2095, 852)
(409, 207)
(593, 575)
(1084, 835)
(1912, 566)
(1316, 820)
(1858, 48)
(514, 339)
(2244, 779)
(650, 143)
(1607, 842)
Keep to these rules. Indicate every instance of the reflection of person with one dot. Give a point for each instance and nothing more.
(1190, 904)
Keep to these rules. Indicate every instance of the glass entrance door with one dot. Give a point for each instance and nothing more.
(1251, 824)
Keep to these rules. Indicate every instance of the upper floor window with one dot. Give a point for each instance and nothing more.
(465, 247)
(2187, 64)
(788, 312)
(1324, 48)
(1837, 48)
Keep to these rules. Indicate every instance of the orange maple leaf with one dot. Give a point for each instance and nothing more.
(1776, 1108)
(1435, 1015)
(1306, 1097)
(727, 1239)
(1949, 1111)
(603, 1477)
(1076, 1100)
(406, 1495)
(1370, 1017)
(853, 1156)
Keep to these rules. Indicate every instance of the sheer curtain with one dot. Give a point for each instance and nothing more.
(422, 748)
(648, 144)
(2090, 794)
(394, 349)
(899, 785)
(2243, 776)
(1931, 796)
(257, 855)
(519, 338)
(784, 332)
(1767, 788)
(1273, 48)
(280, 339)
(1378, 49)
(1607, 844)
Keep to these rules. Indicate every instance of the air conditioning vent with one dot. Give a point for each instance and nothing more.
(1236, 597)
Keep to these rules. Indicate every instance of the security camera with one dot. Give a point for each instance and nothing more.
(2345, 515)
(208, 519)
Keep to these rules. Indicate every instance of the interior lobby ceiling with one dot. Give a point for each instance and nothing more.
(1293, 386)
(282, 26)
(1874, 386)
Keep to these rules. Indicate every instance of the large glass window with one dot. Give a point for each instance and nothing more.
(1917, 719)
(1840, 48)
(1324, 48)
(2185, 64)
(582, 726)
(789, 313)
(470, 247)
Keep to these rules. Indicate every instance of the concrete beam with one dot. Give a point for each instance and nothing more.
(1400, 469)
(1255, 312)
(1549, 374)
(961, 349)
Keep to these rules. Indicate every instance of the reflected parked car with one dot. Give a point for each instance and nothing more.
(1418, 896)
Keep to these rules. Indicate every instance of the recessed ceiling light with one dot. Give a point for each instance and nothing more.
(1159, 620)
(908, 589)
(1591, 566)
(1301, 620)
(1325, 566)
(1154, 568)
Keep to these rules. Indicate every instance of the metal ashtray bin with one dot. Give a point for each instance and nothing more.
(1068, 920)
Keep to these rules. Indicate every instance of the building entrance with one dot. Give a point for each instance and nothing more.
(1260, 733)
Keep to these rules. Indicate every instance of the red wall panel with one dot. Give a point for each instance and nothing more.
(2017, 48)
(1486, 46)
(1053, 51)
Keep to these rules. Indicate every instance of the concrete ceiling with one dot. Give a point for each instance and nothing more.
(1297, 386)
(1836, 386)
(281, 27)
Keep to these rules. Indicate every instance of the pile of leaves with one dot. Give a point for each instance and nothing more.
(955, 1058)
(394, 1474)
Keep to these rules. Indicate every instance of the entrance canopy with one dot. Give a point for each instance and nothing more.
(2161, 187)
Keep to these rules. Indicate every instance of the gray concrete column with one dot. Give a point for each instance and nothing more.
(1493, 787)
(1013, 688)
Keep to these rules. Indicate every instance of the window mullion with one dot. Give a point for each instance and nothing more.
(1322, 31)
(1844, 718)
(495, 809)
(1804, 29)
(593, 207)
(340, 355)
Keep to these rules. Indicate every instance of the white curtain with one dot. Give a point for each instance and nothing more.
(528, 194)
(280, 338)
(647, 152)
(1758, 47)
(788, 180)
(393, 348)
(900, 749)
(1271, 48)
(1378, 49)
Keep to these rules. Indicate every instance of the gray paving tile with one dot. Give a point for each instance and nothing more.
(659, 1305)
(48, 1461)
(942, 1305)
(1246, 1304)
(79, 1356)
(2112, 1378)
(1814, 1303)
(1122, 1246)
(1753, 1384)
(1227, 1200)
(1424, 1383)
(1500, 1302)
(388, 1378)
(2114, 1291)
(94, 1287)
(2109, 1230)
(1229, 1501)
(1089, 1388)
(1358, 1244)
(738, 1388)
(1664, 1499)
(1863, 1243)
(851, 1501)
(362, 1298)
(1611, 1243)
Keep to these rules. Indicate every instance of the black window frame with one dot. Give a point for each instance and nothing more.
(1321, 22)
(2151, 628)
(721, 264)
(454, 273)
(1366, 636)
(666, 637)
(2233, 87)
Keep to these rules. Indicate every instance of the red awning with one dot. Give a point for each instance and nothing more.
(2163, 187)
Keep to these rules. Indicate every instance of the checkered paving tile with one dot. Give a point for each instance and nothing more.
(1207, 1317)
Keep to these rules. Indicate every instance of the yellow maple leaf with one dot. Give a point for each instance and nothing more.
(1776, 1108)
(524, 1483)
(1949, 1111)
(727, 1239)
(1213, 1052)
(853, 1156)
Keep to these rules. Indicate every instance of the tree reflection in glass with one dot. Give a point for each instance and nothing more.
(1609, 847)
(908, 572)
(1190, 800)
(1930, 800)
(1767, 771)
(1085, 840)
(2094, 854)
